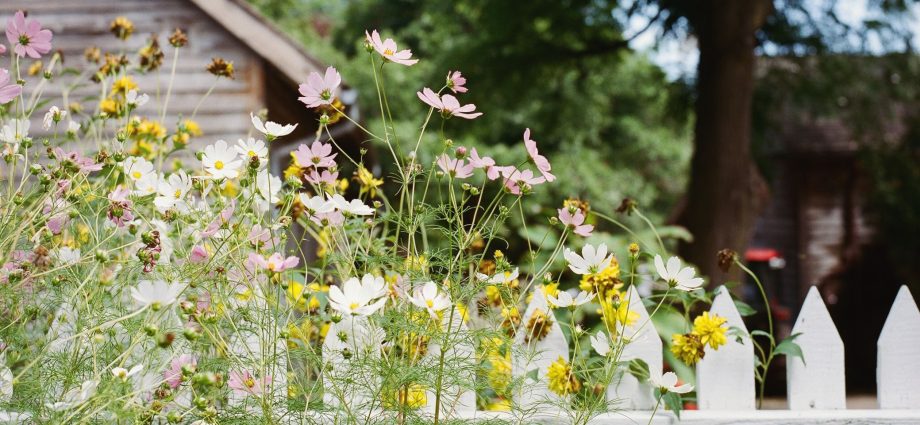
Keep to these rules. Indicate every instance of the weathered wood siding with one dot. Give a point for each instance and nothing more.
(78, 24)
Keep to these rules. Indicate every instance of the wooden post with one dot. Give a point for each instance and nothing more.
(725, 377)
(817, 382)
(898, 371)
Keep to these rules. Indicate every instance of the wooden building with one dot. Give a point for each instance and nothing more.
(268, 65)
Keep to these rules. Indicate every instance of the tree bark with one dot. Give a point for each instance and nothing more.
(726, 191)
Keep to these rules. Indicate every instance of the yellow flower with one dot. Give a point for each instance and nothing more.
(123, 85)
(412, 397)
(35, 68)
(499, 405)
(710, 329)
(296, 295)
(109, 106)
(150, 129)
(562, 380)
(368, 183)
(688, 348)
(511, 319)
(605, 283)
(190, 127)
(416, 263)
(493, 295)
(121, 27)
(617, 314)
(499, 374)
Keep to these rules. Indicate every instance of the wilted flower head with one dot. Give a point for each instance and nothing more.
(27, 38)
(178, 38)
(387, 48)
(221, 68)
(121, 27)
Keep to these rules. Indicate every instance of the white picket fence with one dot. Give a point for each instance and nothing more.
(725, 378)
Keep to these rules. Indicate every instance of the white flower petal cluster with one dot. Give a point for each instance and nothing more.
(271, 129)
(171, 192)
(429, 298)
(683, 278)
(501, 278)
(359, 297)
(220, 161)
(75, 396)
(564, 299)
(600, 343)
(667, 382)
(156, 293)
(592, 260)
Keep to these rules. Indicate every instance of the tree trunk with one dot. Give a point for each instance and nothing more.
(726, 191)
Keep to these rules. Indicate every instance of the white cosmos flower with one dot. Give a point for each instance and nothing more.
(600, 343)
(355, 207)
(52, 117)
(135, 100)
(14, 131)
(591, 260)
(667, 382)
(75, 396)
(252, 147)
(429, 298)
(137, 168)
(677, 277)
(220, 161)
(359, 297)
(147, 185)
(156, 293)
(123, 374)
(564, 299)
(6, 384)
(268, 186)
(67, 255)
(270, 128)
(499, 278)
(72, 128)
(316, 204)
(171, 192)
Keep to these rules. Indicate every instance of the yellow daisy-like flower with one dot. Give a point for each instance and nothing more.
(605, 283)
(109, 106)
(688, 348)
(413, 397)
(296, 295)
(538, 326)
(368, 183)
(710, 329)
(562, 380)
(416, 263)
(511, 319)
(617, 314)
(123, 85)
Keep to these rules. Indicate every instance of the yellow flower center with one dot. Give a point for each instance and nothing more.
(136, 174)
(250, 382)
(353, 306)
(430, 303)
(388, 52)
(251, 153)
(219, 165)
(178, 194)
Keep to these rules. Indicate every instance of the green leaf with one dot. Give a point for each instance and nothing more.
(673, 402)
(758, 332)
(639, 369)
(533, 374)
(744, 308)
(790, 348)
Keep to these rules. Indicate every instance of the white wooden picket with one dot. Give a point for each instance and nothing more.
(898, 370)
(645, 344)
(725, 377)
(537, 354)
(816, 381)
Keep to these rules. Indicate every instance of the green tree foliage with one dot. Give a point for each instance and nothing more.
(608, 119)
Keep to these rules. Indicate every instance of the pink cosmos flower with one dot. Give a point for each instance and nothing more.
(575, 222)
(204, 302)
(260, 236)
(518, 182)
(448, 105)
(198, 255)
(486, 163)
(57, 211)
(317, 155)
(243, 383)
(457, 168)
(539, 160)
(27, 37)
(86, 165)
(275, 263)
(321, 178)
(120, 207)
(332, 218)
(455, 82)
(319, 90)
(8, 92)
(223, 218)
(387, 49)
(173, 375)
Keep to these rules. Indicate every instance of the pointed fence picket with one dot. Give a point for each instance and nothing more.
(725, 377)
(816, 381)
(898, 370)
(645, 344)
